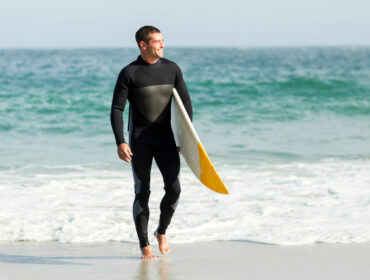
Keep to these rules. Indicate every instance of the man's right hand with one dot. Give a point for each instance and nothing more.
(124, 152)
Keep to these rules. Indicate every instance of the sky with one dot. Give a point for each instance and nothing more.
(198, 23)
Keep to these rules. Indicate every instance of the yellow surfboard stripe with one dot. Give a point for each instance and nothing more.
(208, 174)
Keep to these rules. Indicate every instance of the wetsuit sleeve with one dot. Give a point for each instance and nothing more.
(183, 92)
(120, 95)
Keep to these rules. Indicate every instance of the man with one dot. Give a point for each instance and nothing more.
(147, 83)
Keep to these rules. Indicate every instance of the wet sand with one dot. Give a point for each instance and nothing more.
(208, 260)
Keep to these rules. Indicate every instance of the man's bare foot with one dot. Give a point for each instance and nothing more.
(146, 253)
(164, 248)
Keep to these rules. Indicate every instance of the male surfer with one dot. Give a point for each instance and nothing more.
(147, 83)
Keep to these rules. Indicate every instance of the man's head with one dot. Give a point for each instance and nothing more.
(150, 42)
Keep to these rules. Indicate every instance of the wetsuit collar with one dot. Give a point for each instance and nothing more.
(143, 62)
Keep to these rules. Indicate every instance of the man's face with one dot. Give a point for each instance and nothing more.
(154, 47)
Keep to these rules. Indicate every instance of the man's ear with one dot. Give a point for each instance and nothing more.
(142, 45)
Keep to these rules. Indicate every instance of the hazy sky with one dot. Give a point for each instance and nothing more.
(113, 23)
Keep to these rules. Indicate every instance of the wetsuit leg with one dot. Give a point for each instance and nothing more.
(141, 165)
(168, 162)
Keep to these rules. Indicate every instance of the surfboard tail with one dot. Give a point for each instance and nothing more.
(208, 174)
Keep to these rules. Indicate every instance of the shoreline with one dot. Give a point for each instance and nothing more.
(203, 260)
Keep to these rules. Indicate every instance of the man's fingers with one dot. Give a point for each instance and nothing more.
(129, 151)
(127, 156)
(122, 156)
(124, 153)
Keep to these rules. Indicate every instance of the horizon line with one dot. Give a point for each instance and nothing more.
(189, 47)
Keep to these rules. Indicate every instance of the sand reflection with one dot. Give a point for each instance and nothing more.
(154, 269)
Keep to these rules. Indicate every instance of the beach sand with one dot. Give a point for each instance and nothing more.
(208, 260)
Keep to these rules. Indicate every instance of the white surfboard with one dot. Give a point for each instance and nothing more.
(191, 148)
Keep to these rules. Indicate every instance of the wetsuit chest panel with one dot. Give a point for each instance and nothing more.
(151, 101)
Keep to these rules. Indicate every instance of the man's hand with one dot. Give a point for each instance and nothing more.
(124, 152)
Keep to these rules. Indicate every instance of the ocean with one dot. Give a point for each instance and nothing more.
(288, 130)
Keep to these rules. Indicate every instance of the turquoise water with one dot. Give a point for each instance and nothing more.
(288, 130)
(249, 104)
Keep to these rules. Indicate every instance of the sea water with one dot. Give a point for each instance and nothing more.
(288, 130)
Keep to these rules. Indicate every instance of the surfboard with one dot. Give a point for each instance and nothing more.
(191, 147)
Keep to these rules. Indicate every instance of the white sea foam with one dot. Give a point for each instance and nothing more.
(295, 203)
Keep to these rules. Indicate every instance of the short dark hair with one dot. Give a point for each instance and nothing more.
(143, 33)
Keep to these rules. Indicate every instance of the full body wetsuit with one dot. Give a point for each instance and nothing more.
(148, 87)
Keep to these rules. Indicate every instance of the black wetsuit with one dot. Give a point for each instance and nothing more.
(148, 87)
